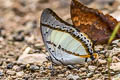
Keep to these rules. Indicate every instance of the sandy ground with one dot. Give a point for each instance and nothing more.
(20, 34)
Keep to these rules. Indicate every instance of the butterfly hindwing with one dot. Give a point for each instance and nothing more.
(65, 44)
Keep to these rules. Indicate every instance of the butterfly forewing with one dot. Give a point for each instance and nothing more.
(92, 22)
(64, 43)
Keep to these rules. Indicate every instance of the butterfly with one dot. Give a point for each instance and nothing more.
(93, 22)
(66, 44)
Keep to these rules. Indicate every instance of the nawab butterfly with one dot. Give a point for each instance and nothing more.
(66, 44)
(93, 22)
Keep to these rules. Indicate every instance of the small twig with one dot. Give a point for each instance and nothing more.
(109, 59)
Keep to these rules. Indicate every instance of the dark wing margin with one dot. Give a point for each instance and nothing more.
(47, 18)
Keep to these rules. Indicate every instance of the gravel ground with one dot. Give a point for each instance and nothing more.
(22, 52)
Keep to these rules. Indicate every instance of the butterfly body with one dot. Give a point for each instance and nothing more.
(65, 44)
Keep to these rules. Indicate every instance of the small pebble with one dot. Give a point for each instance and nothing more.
(90, 74)
(91, 68)
(97, 75)
(23, 66)
(72, 77)
(34, 67)
(98, 48)
(1, 46)
(10, 72)
(102, 61)
(42, 68)
(43, 72)
(83, 69)
(20, 74)
(112, 73)
(1, 74)
(19, 36)
(104, 71)
(117, 77)
(60, 75)
(1, 62)
(115, 66)
(26, 78)
(38, 46)
(115, 41)
(2, 32)
(16, 68)
(67, 72)
(10, 66)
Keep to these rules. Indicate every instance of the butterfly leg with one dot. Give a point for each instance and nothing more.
(48, 58)
(53, 71)
(51, 67)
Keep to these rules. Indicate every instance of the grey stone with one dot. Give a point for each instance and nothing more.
(34, 67)
(74, 77)
(10, 72)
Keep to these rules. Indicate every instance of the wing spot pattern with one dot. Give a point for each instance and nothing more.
(87, 40)
(75, 33)
(73, 53)
(55, 24)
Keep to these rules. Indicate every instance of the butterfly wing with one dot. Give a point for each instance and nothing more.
(65, 44)
(92, 22)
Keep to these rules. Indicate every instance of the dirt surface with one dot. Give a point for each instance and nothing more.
(20, 34)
